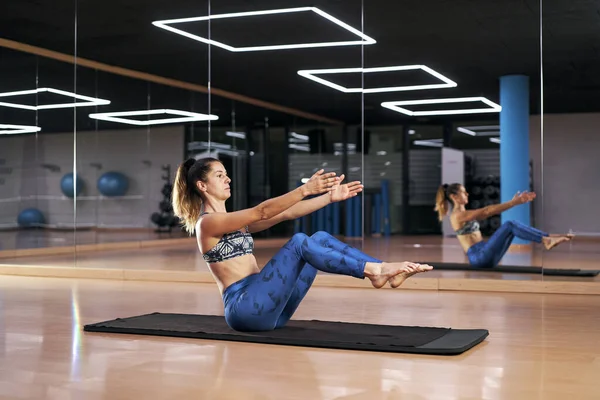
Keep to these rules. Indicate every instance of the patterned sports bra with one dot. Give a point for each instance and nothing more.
(231, 245)
(468, 228)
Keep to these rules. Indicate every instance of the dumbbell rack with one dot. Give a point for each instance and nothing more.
(165, 219)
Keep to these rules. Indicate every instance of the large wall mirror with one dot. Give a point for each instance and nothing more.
(567, 162)
(161, 83)
(99, 113)
(37, 132)
(450, 93)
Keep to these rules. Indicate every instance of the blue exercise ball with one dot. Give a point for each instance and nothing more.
(67, 186)
(30, 217)
(112, 184)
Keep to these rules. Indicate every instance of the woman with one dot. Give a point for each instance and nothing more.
(464, 222)
(264, 299)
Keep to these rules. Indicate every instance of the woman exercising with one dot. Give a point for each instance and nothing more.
(464, 222)
(264, 299)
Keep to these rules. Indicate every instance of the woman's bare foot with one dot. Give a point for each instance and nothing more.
(404, 275)
(553, 241)
(396, 273)
(567, 235)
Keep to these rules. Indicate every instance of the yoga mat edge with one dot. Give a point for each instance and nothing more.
(514, 269)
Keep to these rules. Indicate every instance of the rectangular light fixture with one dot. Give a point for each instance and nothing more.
(310, 74)
(239, 135)
(429, 143)
(495, 140)
(483, 130)
(7, 129)
(299, 147)
(466, 131)
(186, 117)
(300, 137)
(216, 145)
(87, 101)
(164, 24)
(394, 106)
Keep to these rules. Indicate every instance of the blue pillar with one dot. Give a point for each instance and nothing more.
(349, 211)
(356, 216)
(377, 213)
(336, 219)
(514, 145)
(385, 207)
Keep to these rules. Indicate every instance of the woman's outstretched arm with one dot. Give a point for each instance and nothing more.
(338, 193)
(494, 209)
(217, 224)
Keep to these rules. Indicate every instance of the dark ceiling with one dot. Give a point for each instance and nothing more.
(472, 42)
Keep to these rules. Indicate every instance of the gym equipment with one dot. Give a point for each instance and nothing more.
(491, 192)
(476, 191)
(112, 184)
(165, 219)
(67, 185)
(475, 204)
(484, 225)
(514, 269)
(167, 188)
(31, 218)
(322, 334)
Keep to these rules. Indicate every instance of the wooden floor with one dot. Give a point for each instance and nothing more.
(540, 346)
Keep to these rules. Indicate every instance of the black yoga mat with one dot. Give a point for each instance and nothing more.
(515, 269)
(332, 335)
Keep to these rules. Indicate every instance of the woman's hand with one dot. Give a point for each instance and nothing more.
(522, 198)
(343, 192)
(320, 183)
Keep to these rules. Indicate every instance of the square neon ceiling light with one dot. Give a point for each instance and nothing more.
(185, 116)
(364, 39)
(310, 74)
(394, 106)
(7, 129)
(87, 101)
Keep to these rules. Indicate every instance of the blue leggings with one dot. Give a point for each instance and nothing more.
(488, 254)
(267, 300)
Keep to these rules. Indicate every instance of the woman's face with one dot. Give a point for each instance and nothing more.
(217, 182)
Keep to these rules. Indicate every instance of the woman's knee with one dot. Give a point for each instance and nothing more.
(299, 237)
(511, 223)
(296, 242)
(319, 235)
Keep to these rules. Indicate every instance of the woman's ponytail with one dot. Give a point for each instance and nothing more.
(441, 202)
(186, 200)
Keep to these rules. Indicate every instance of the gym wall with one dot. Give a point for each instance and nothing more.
(136, 153)
(571, 176)
(570, 190)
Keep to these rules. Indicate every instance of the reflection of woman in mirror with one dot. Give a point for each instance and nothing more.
(264, 299)
(464, 222)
